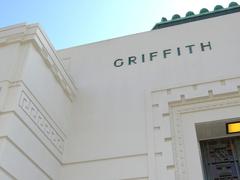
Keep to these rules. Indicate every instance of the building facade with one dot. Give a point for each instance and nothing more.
(150, 106)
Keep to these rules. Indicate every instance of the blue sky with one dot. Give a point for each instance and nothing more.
(76, 22)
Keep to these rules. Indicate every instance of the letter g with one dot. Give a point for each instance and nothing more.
(118, 62)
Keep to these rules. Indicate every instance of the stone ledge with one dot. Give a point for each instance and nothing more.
(33, 33)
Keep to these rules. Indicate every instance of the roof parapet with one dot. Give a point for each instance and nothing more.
(204, 13)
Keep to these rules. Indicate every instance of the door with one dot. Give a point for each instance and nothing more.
(221, 158)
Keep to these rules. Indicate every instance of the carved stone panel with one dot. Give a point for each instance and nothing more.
(33, 112)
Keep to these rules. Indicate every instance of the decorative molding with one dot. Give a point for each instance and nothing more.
(33, 112)
(3, 93)
(105, 159)
(7, 173)
(137, 178)
(33, 33)
(9, 140)
(174, 101)
(178, 147)
(178, 142)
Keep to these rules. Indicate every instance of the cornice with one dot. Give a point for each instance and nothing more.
(33, 33)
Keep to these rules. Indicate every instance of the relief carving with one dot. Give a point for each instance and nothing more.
(30, 109)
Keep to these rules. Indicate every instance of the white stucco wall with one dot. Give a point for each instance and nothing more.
(94, 121)
(34, 105)
(110, 109)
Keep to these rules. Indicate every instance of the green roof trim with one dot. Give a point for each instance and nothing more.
(218, 7)
(203, 14)
(204, 10)
(164, 19)
(176, 16)
(233, 4)
(189, 13)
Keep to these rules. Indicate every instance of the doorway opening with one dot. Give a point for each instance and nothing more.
(221, 158)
